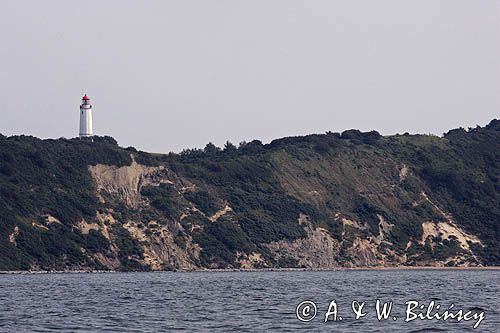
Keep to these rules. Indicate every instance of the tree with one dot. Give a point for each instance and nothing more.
(211, 149)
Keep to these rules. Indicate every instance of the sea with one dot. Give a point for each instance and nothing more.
(253, 301)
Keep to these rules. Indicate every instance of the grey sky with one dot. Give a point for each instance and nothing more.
(168, 75)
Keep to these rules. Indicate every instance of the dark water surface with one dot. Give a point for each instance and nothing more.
(240, 301)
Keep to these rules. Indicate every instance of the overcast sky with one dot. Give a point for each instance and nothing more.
(169, 75)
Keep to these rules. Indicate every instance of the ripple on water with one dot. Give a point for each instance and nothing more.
(237, 301)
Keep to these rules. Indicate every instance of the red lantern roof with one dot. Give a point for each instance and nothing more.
(85, 97)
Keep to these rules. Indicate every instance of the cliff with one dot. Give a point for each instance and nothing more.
(320, 201)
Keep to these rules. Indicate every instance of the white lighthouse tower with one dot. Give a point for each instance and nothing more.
(86, 117)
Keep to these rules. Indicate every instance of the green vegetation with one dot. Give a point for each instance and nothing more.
(203, 201)
(354, 175)
(130, 251)
(165, 198)
(462, 173)
(220, 241)
(40, 177)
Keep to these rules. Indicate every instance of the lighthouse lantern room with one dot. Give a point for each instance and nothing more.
(86, 117)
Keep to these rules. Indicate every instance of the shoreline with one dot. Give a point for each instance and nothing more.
(228, 270)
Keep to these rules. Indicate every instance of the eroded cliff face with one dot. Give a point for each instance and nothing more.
(126, 182)
(381, 185)
(170, 242)
(320, 201)
(317, 250)
(158, 249)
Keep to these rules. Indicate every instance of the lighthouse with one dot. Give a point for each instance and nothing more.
(86, 117)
